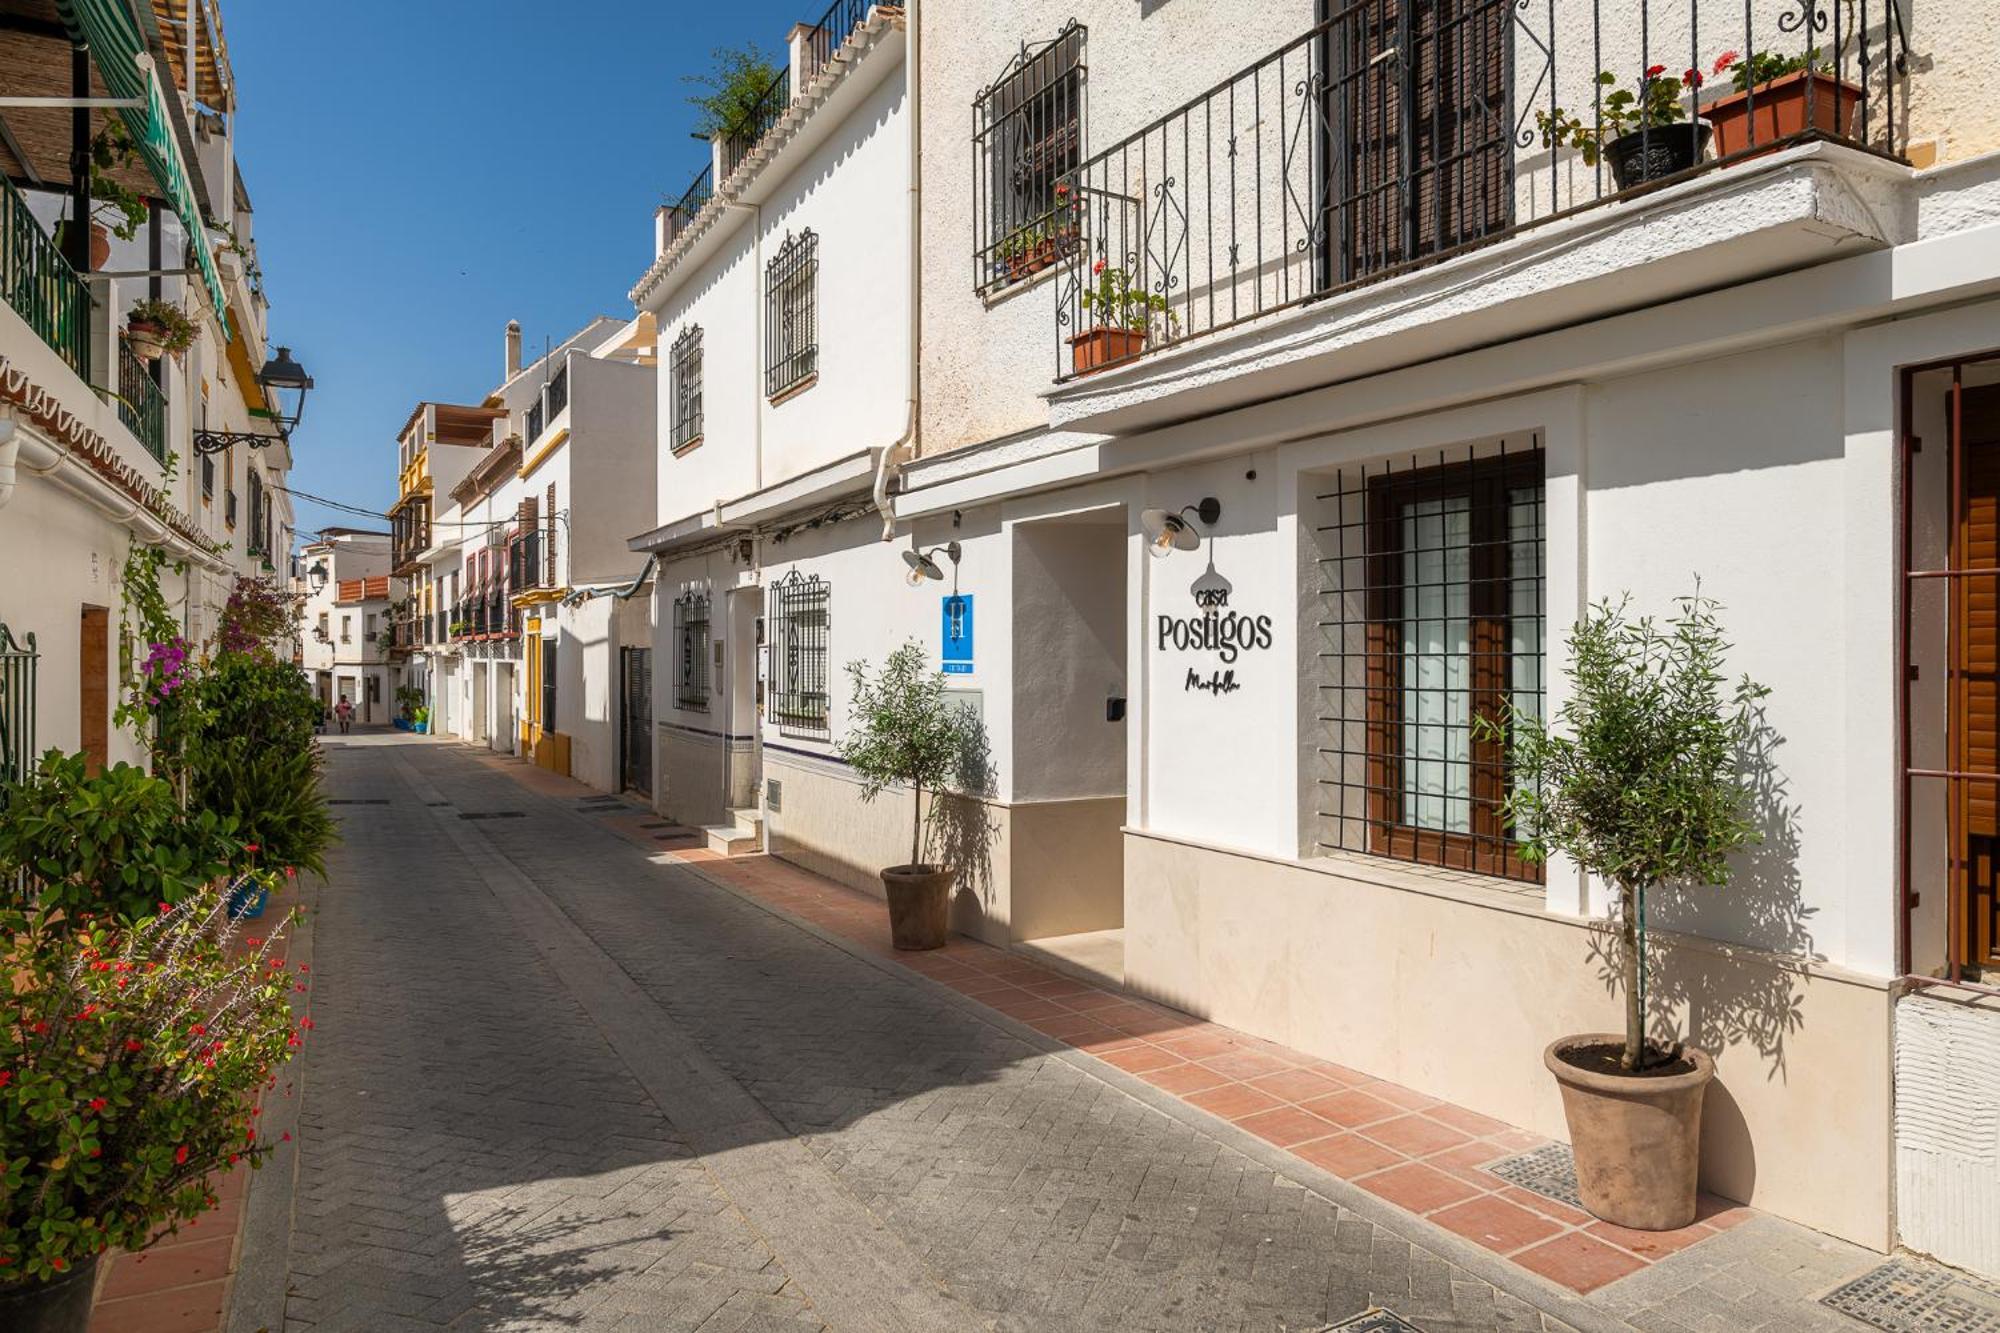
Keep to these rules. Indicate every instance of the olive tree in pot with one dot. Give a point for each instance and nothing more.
(1639, 782)
(907, 733)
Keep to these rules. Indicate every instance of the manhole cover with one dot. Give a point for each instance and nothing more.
(1549, 1171)
(1904, 1296)
(1377, 1320)
(493, 814)
(357, 800)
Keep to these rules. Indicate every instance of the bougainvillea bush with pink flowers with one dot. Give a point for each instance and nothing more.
(130, 1062)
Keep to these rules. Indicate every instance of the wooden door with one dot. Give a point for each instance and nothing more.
(1975, 693)
(94, 687)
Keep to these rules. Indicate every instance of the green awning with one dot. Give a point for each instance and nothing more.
(118, 49)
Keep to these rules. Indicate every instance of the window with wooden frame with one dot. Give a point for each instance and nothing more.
(791, 314)
(1433, 617)
(685, 369)
(1027, 139)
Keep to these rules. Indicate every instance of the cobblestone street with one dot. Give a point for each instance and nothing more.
(558, 1082)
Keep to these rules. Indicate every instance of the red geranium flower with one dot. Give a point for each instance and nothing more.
(1727, 60)
(1655, 71)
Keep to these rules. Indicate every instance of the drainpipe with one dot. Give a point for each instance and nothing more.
(756, 212)
(892, 458)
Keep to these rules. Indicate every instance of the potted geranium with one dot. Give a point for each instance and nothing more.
(1777, 97)
(130, 1061)
(907, 734)
(155, 328)
(1639, 783)
(1123, 313)
(1643, 133)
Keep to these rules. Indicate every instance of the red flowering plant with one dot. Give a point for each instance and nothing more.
(130, 1060)
(1656, 101)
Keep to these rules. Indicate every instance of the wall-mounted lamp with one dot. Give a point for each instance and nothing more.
(318, 575)
(1167, 532)
(923, 565)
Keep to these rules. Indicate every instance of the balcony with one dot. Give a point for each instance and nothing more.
(141, 405)
(1395, 137)
(524, 561)
(40, 285)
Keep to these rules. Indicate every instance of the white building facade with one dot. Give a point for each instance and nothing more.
(98, 436)
(1421, 393)
(347, 622)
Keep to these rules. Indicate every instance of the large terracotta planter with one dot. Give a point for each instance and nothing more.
(1648, 155)
(919, 905)
(1781, 108)
(1637, 1139)
(1096, 348)
(50, 1307)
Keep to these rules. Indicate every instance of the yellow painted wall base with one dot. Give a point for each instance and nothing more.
(552, 752)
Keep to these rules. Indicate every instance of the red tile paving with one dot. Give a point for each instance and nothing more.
(1418, 1152)
(1392, 1140)
(180, 1285)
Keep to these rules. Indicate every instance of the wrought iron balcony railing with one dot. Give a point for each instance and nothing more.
(141, 405)
(40, 285)
(557, 393)
(1401, 132)
(751, 127)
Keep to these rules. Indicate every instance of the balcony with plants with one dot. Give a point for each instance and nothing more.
(1393, 139)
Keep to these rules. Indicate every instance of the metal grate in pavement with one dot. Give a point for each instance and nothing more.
(1376, 1320)
(493, 814)
(357, 800)
(1904, 1296)
(1549, 1171)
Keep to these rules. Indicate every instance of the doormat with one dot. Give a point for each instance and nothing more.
(1905, 1296)
(1376, 1320)
(1549, 1171)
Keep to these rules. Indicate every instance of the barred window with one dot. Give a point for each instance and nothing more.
(691, 651)
(686, 369)
(1027, 139)
(796, 611)
(1433, 602)
(791, 313)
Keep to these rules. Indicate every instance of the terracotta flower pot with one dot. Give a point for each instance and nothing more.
(1637, 1138)
(919, 905)
(1781, 108)
(62, 1306)
(100, 245)
(1648, 155)
(149, 341)
(1096, 348)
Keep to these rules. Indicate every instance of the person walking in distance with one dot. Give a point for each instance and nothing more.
(345, 712)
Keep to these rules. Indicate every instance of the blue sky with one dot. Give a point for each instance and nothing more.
(423, 171)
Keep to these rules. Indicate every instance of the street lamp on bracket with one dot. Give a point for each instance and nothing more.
(285, 385)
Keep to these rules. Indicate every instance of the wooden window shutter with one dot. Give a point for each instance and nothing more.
(552, 534)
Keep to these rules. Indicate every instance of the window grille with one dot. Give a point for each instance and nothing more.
(797, 611)
(791, 313)
(207, 476)
(691, 651)
(1027, 140)
(1433, 616)
(686, 366)
(534, 427)
(558, 392)
(18, 665)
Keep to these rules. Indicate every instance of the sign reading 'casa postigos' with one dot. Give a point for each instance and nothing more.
(1228, 634)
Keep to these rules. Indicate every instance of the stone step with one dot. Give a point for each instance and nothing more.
(730, 840)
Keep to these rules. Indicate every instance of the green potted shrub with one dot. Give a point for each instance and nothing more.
(1643, 133)
(155, 328)
(1122, 314)
(906, 733)
(130, 1061)
(1639, 782)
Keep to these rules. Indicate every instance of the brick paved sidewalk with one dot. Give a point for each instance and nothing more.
(1413, 1150)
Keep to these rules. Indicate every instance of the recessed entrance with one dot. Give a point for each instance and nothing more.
(1064, 843)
